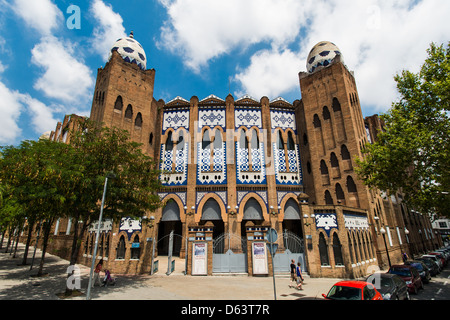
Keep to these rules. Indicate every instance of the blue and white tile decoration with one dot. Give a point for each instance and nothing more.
(175, 119)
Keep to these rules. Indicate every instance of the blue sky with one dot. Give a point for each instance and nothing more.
(202, 47)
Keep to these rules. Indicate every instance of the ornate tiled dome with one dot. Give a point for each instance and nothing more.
(131, 51)
(322, 54)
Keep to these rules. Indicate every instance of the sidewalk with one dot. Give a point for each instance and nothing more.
(17, 282)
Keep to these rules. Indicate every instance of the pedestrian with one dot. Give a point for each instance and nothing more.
(293, 273)
(404, 256)
(299, 276)
(97, 270)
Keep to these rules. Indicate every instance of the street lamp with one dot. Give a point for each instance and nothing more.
(110, 175)
(383, 231)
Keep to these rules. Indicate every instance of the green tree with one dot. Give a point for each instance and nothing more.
(36, 173)
(411, 154)
(100, 150)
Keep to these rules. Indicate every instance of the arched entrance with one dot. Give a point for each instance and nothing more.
(170, 221)
(293, 242)
(252, 212)
(211, 212)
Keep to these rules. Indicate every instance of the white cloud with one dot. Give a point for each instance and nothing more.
(109, 29)
(42, 15)
(10, 109)
(65, 78)
(377, 38)
(41, 115)
(200, 30)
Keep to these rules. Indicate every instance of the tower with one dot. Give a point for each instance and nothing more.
(334, 130)
(123, 95)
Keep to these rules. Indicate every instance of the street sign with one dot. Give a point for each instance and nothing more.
(272, 235)
(272, 247)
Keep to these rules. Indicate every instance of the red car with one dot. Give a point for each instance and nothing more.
(410, 275)
(353, 290)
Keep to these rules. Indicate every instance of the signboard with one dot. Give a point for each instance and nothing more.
(199, 258)
(259, 256)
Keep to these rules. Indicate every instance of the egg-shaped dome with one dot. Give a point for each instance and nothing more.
(131, 51)
(322, 54)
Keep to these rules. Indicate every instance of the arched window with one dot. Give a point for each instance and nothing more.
(135, 248)
(337, 251)
(336, 105)
(243, 141)
(334, 161)
(119, 104)
(206, 140)
(129, 112)
(107, 246)
(344, 153)
(290, 141)
(150, 139)
(323, 251)
(169, 142)
(326, 113)
(218, 139)
(121, 249)
(316, 121)
(280, 142)
(138, 120)
(180, 143)
(351, 186)
(252, 210)
(328, 198)
(350, 248)
(254, 143)
(323, 167)
(339, 192)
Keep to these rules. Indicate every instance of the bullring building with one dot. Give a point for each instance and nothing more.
(233, 168)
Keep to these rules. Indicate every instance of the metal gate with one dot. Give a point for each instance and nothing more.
(230, 254)
(294, 249)
(170, 264)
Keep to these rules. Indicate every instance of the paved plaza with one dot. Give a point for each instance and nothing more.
(17, 282)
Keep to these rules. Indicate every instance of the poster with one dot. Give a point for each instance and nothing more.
(259, 256)
(199, 258)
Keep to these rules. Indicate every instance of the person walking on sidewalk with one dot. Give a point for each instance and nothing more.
(293, 274)
(299, 276)
(97, 270)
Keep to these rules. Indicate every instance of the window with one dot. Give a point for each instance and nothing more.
(280, 142)
(255, 140)
(323, 167)
(138, 120)
(344, 153)
(337, 251)
(316, 121)
(334, 161)
(326, 113)
(119, 104)
(169, 142)
(336, 105)
(206, 140)
(290, 141)
(129, 112)
(121, 249)
(150, 139)
(328, 198)
(351, 186)
(339, 192)
(323, 251)
(135, 248)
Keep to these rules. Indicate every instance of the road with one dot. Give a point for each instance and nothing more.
(437, 289)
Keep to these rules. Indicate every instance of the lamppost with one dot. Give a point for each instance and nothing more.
(110, 175)
(383, 231)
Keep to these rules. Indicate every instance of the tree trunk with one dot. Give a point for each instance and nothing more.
(48, 226)
(27, 244)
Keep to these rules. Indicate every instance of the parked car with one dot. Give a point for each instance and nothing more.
(410, 275)
(432, 266)
(424, 272)
(435, 259)
(391, 286)
(440, 256)
(353, 290)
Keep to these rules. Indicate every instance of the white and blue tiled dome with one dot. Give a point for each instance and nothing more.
(322, 55)
(131, 51)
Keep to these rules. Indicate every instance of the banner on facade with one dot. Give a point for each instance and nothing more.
(200, 258)
(259, 256)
